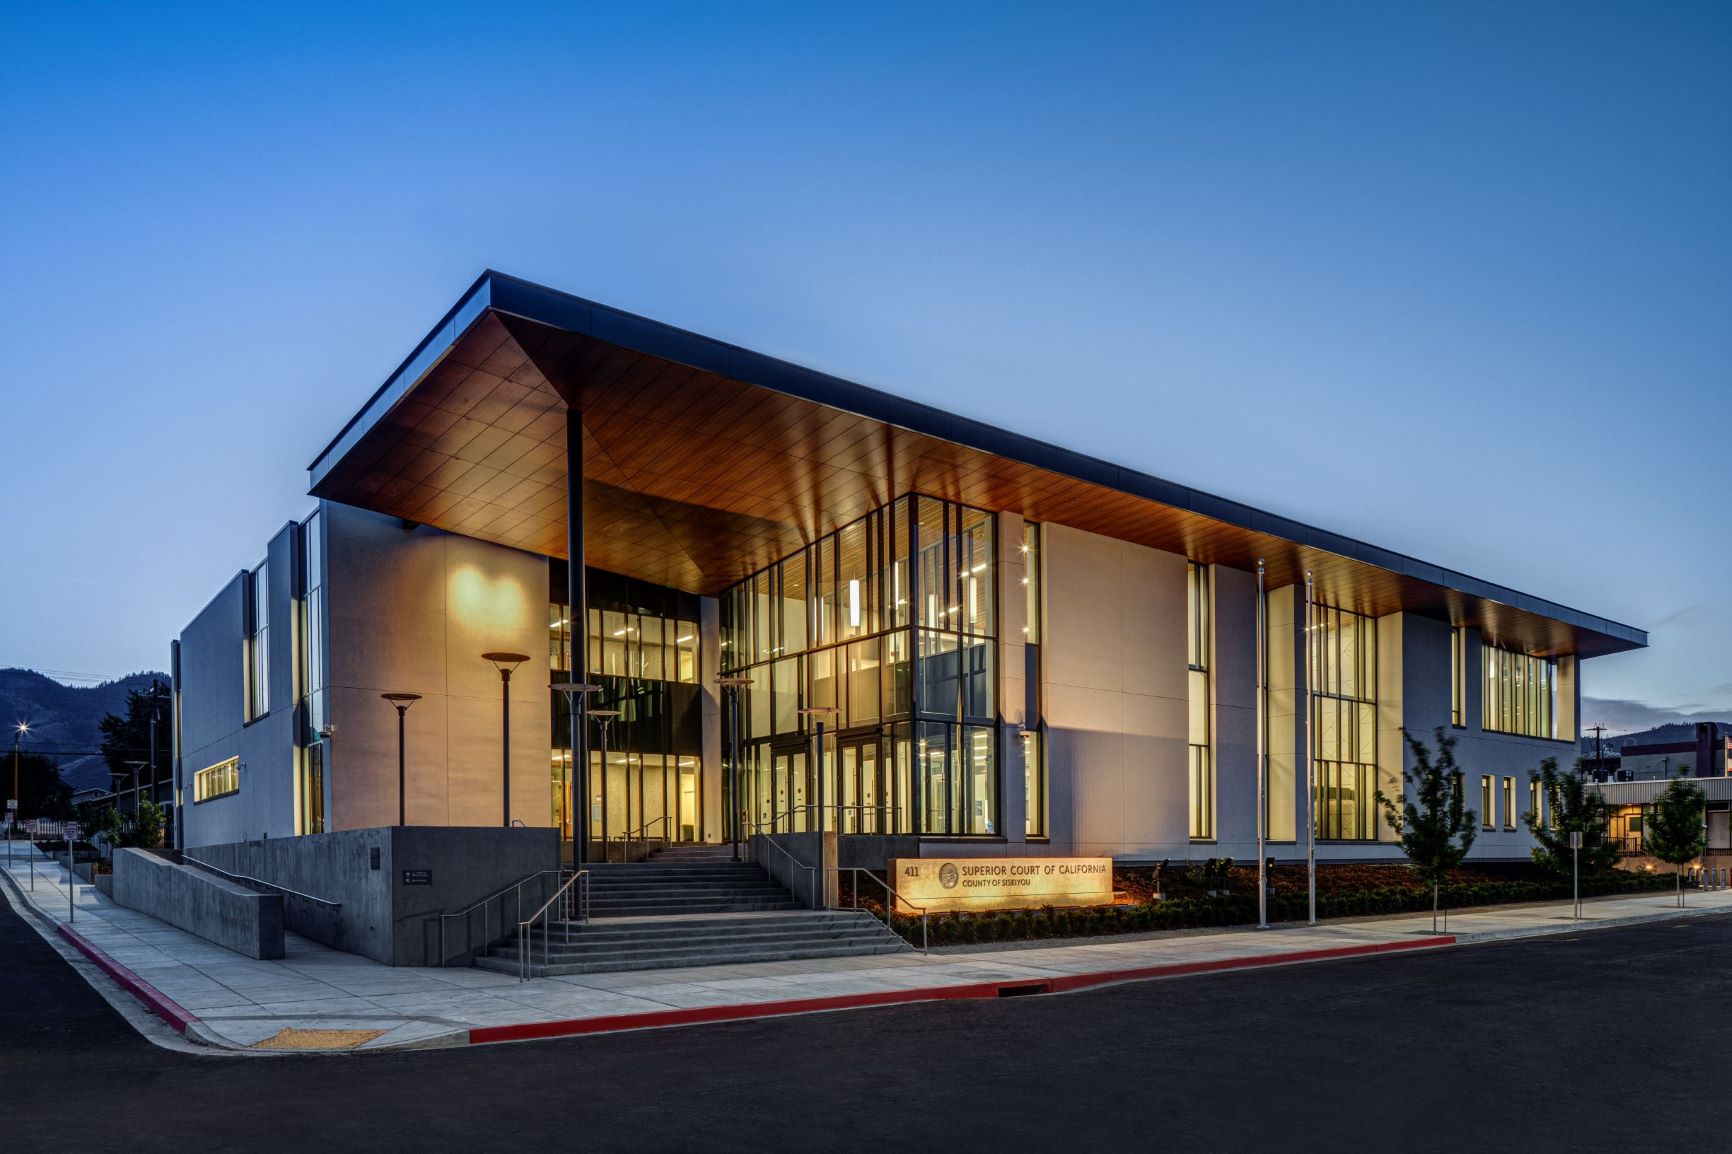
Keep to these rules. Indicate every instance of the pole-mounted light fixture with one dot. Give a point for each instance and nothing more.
(505, 663)
(401, 702)
(577, 786)
(734, 812)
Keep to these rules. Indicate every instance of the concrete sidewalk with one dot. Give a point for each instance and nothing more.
(320, 999)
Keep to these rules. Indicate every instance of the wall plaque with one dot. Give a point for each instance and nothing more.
(938, 884)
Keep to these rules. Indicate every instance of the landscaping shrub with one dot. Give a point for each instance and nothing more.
(1342, 891)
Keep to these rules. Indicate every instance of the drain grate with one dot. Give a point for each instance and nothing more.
(1024, 990)
(289, 1038)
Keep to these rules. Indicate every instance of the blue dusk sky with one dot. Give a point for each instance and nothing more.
(1452, 278)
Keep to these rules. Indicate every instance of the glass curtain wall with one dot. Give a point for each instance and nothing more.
(1344, 723)
(888, 625)
(1519, 693)
(642, 648)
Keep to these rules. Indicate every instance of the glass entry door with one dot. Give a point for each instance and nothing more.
(794, 794)
(862, 793)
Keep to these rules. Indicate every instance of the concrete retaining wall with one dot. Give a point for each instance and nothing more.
(391, 883)
(190, 899)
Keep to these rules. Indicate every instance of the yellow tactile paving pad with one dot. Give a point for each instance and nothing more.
(289, 1038)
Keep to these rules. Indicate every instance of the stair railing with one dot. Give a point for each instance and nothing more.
(514, 890)
(572, 902)
(887, 815)
(245, 880)
(816, 899)
(891, 897)
(770, 823)
(630, 835)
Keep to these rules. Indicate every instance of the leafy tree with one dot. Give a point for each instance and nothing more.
(1575, 806)
(142, 829)
(1674, 830)
(127, 740)
(42, 793)
(1436, 829)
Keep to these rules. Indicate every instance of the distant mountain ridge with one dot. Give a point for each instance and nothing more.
(65, 720)
(1671, 732)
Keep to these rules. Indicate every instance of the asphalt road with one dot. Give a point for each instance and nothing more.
(1601, 1040)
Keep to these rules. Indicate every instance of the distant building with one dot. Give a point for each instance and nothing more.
(1706, 756)
(1630, 802)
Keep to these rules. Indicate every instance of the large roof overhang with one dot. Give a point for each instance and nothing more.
(704, 461)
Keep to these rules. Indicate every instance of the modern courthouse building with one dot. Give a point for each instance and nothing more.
(1010, 648)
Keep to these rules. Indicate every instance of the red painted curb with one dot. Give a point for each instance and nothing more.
(974, 990)
(158, 1002)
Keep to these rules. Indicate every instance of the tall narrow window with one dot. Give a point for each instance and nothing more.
(1487, 804)
(1534, 802)
(1458, 676)
(1518, 692)
(1344, 723)
(1509, 815)
(1033, 745)
(1202, 772)
(312, 676)
(258, 643)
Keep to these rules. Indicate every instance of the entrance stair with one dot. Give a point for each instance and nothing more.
(691, 906)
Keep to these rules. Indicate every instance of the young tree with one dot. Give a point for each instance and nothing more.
(1575, 806)
(142, 829)
(1675, 831)
(1435, 827)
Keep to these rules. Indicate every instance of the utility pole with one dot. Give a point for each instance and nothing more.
(1599, 753)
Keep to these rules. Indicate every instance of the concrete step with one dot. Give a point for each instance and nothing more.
(701, 853)
(600, 934)
(740, 881)
(677, 908)
(675, 869)
(725, 923)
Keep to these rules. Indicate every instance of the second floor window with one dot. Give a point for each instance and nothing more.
(1519, 693)
(258, 642)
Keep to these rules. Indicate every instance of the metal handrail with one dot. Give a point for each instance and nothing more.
(515, 887)
(891, 898)
(563, 898)
(630, 835)
(889, 811)
(772, 821)
(811, 871)
(261, 882)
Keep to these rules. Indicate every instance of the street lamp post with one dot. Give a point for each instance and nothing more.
(577, 783)
(136, 767)
(819, 713)
(1262, 757)
(402, 702)
(733, 684)
(14, 807)
(505, 663)
(605, 717)
(1311, 664)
